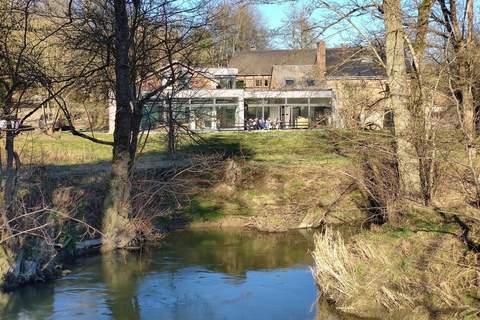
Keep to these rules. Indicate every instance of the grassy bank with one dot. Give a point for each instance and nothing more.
(417, 269)
(282, 180)
(281, 175)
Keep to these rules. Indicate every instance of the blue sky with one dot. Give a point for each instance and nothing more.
(275, 14)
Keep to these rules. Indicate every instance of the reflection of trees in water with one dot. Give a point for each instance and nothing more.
(28, 298)
(232, 252)
(237, 251)
(121, 272)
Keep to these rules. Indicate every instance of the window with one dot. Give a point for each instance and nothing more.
(253, 101)
(226, 100)
(225, 84)
(203, 117)
(310, 82)
(226, 117)
(258, 83)
(240, 84)
(152, 116)
(297, 100)
(201, 101)
(275, 101)
(185, 81)
(289, 82)
(271, 112)
(182, 114)
(253, 112)
(320, 101)
(266, 83)
(300, 116)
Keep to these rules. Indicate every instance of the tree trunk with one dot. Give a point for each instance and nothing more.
(9, 248)
(171, 132)
(398, 98)
(421, 120)
(468, 120)
(118, 203)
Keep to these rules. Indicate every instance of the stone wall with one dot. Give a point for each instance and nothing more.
(358, 102)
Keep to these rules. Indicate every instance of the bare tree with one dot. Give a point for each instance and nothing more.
(411, 85)
(235, 26)
(22, 75)
(398, 92)
(298, 28)
(28, 83)
(137, 50)
(457, 28)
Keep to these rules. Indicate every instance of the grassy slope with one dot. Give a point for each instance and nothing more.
(283, 176)
(61, 149)
(284, 173)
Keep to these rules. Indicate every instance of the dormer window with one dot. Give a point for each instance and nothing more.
(289, 82)
(310, 82)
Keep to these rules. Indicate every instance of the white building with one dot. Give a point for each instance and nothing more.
(292, 88)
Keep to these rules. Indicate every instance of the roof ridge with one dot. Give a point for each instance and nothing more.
(274, 50)
(297, 50)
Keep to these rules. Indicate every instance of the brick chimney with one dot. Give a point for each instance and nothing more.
(321, 59)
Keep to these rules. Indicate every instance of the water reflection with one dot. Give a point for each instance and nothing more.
(121, 273)
(235, 274)
(234, 252)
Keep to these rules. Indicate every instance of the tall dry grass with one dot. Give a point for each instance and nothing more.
(333, 268)
(413, 274)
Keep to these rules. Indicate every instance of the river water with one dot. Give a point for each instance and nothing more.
(208, 274)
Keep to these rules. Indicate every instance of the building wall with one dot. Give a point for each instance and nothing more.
(256, 82)
(302, 77)
(358, 102)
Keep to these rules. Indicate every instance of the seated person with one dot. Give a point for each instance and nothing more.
(261, 124)
(268, 124)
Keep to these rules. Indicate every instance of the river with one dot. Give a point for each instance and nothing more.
(201, 274)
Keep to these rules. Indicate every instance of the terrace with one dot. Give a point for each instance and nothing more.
(231, 109)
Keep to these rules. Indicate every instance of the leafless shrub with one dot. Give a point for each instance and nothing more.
(158, 192)
(39, 239)
(379, 184)
(375, 172)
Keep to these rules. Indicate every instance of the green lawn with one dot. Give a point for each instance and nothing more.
(61, 148)
(65, 149)
(285, 147)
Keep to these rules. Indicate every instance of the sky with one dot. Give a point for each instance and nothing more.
(275, 14)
